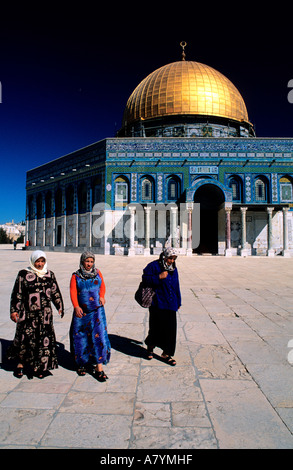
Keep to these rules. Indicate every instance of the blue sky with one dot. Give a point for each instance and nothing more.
(66, 77)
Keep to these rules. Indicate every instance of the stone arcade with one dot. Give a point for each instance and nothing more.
(186, 149)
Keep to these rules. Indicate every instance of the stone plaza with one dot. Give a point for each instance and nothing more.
(232, 387)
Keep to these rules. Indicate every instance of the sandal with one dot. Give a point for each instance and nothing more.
(41, 373)
(18, 372)
(81, 371)
(169, 360)
(100, 376)
(150, 354)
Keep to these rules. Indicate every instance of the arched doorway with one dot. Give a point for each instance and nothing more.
(210, 197)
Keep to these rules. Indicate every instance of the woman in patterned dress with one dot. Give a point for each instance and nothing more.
(34, 344)
(90, 344)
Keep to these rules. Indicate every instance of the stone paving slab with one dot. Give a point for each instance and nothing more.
(243, 417)
(87, 430)
(232, 386)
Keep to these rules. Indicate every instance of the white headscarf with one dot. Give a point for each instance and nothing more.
(33, 258)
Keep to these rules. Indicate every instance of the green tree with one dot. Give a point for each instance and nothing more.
(3, 237)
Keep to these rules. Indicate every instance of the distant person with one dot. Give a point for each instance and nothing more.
(90, 344)
(34, 344)
(162, 276)
(27, 244)
(15, 244)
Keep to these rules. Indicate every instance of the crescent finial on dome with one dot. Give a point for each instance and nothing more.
(183, 44)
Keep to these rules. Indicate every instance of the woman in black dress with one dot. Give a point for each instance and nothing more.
(162, 276)
(34, 344)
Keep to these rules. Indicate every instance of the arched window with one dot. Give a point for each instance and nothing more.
(235, 183)
(48, 204)
(286, 193)
(173, 188)
(121, 191)
(260, 190)
(97, 190)
(147, 189)
(82, 198)
(30, 208)
(39, 206)
(58, 202)
(69, 200)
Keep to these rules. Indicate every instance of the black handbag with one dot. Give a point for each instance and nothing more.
(144, 295)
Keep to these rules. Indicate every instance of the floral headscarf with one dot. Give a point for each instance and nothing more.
(167, 253)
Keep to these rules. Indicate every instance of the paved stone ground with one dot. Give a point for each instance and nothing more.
(232, 386)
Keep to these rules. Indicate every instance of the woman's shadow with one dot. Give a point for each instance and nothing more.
(65, 358)
(128, 346)
(5, 363)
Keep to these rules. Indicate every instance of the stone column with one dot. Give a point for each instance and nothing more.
(27, 215)
(271, 251)
(189, 232)
(53, 220)
(228, 230)
(147, 211)
(64, 217)
(44, 219)
(286, 252)
(90, 225)
(35, 231)
(174, 210)
(244, 251)
(131, 249)
(108, 228)
(65, 229)
(76, 210)
(35, 221)
(26, 231)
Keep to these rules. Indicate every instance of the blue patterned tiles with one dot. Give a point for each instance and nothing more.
(186, 147)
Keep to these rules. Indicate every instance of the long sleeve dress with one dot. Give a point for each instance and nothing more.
(89, 338)
(34, 343)
(162, 319)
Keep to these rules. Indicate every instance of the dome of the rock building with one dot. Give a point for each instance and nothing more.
(185, 92)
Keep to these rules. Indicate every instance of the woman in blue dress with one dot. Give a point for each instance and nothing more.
(89, 338)
(162, 276)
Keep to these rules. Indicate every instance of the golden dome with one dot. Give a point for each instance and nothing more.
(185, 88)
